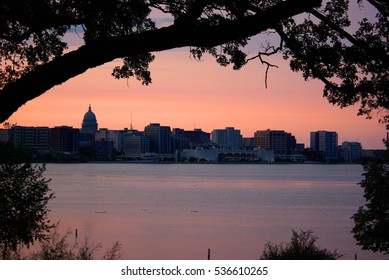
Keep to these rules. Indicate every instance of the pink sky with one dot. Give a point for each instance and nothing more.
(189, 94)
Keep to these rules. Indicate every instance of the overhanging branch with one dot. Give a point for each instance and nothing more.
(96, 53)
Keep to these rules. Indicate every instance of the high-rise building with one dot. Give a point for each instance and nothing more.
(248, 142)
(229, 137)
(116, 136)
(281, 142)
(103, 150)
(159, 137)
(195, 138)
(351, 151)
(136, 143)
(65, 139)
(4, 135)
(35, 138)
(325, 143)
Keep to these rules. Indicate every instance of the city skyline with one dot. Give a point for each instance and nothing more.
(97, 129)
(189, 94)
(130, 125)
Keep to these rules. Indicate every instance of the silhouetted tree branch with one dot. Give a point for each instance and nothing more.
(97, 52)
(354, 67)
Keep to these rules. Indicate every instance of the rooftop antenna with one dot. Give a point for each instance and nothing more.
(131, 128)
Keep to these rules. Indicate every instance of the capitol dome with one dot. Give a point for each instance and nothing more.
(89, 123)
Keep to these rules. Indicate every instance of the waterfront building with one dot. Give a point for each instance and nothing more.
(116, 136)
(300, 148)
(136, 143)
(34, 138)
(351, 151)
(196, 137)
(373, 154)
(248, 143)
(281, 142)
(179, 143)
(227, 155)
(65, 139)
(325, 143)
(159, 137)
(4, 135)
(103, 150)
(227, 138)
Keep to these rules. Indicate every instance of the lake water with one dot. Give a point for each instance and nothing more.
(178, 211)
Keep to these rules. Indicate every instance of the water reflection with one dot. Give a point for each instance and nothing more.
(179, 211)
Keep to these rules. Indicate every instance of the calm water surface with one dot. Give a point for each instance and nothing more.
(178, 211)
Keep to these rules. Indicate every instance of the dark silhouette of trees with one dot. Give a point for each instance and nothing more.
(59, 247)
(318, 43)
(24, 194)
(371, 222)
(301, 247)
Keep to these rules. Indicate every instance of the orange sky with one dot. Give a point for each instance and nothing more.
(188, 94)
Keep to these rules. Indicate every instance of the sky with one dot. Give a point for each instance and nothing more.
(189, 94)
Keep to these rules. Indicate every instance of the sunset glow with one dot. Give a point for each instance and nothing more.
(189, 94)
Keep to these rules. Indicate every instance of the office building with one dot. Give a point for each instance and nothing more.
(4, 135)
(103, 150)
(248, 142)
(281, 142)
(228, 138)
(116, 136)
(325, 143)
(159, 137)
(135, 143)
(65, 139)
(196, 137)
(351, 151)
(34, 138)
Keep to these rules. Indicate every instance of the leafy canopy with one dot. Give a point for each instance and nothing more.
(322, 39)
(371, 222)
(24, 194)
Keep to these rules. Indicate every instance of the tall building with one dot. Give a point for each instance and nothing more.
(325, 143)
(248, 142)
(103, 150)
(281, 142)
(116, 136)
(227, 138)
(351, 151)
(35, 138)
(195, 137)
(4, 135)
(136, 143)
(159, 137)
(65, 139)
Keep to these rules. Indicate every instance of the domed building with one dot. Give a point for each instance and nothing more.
(89, 123)
(88, 128)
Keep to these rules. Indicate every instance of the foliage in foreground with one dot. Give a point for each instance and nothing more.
(59, 247)
(24, 193)
(302, 246)
(371, 222)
